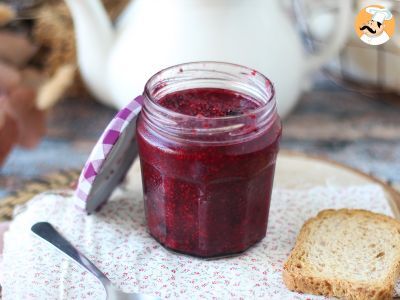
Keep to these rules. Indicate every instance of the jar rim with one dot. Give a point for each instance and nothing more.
(268, 84)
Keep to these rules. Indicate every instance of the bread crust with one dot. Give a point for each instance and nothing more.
(299, 281)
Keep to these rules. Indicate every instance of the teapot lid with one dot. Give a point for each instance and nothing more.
(110, 159)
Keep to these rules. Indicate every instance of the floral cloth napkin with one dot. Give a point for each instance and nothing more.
(116, 240)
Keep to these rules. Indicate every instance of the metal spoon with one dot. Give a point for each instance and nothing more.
(47, 232)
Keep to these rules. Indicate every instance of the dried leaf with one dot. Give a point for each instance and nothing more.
(8, 137)
(31, 129)
(15, 49)
(21, 101)
(3, 113)
(9, 77)
(31, 121)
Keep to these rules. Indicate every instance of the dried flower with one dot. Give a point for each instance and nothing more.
(21, 122)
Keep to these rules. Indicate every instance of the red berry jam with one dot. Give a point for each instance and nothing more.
(208, 159)
(208, 103)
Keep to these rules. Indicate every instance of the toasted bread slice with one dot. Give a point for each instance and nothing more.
(349, 254)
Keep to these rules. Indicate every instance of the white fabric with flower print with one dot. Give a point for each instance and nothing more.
(116, 240)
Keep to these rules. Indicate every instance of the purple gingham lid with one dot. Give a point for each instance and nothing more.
(110, 159)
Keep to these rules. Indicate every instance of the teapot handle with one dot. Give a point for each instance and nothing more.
(344, 19)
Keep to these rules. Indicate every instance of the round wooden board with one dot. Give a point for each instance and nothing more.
(294, 170)
(297, 170)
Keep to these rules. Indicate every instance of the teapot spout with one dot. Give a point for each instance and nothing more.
(94, 40)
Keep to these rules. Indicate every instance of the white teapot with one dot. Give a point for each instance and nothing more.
(115, 62)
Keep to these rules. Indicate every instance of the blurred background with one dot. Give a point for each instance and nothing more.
(339, 97)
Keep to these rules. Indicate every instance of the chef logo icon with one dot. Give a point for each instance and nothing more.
(375, 25)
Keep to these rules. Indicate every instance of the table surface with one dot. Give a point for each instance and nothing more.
(362, 131)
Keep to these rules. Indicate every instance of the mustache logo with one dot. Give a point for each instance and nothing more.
(368, 28)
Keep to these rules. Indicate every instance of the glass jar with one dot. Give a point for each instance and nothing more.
(207, 180)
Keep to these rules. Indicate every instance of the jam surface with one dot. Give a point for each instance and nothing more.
(207, 199)
(208, 102)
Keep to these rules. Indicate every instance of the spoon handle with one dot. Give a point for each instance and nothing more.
(47, 232)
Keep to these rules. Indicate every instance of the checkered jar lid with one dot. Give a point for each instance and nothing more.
(110, 159)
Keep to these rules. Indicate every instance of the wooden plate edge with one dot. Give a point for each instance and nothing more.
(393, 196)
